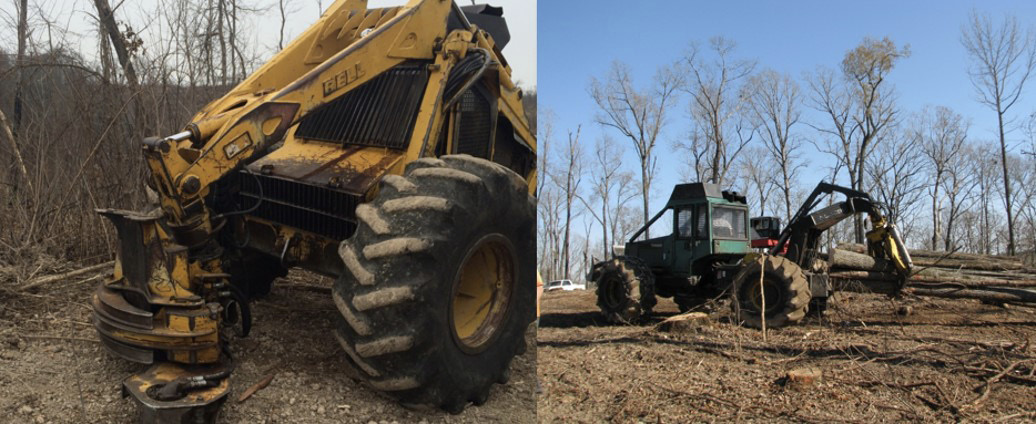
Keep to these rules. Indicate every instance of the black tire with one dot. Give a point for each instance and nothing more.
(787, 292)
(396, 294)
(625, 290)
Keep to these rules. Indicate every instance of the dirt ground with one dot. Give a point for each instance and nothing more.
(946, 360)
(53, 370)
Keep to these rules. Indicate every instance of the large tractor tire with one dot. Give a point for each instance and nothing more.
(625, 290)
(439, 282)
(785, 290)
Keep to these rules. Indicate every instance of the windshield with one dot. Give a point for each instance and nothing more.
(728, 222)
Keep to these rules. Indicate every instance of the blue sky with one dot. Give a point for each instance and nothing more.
(580, 39)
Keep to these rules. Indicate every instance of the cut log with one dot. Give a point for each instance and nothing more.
(987, 294)
(845, 259)
(952, 260)
(929, 276)
(685, 323)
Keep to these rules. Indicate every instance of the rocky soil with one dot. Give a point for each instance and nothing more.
(53, 370)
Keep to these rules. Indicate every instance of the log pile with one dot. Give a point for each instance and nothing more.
(938, 274)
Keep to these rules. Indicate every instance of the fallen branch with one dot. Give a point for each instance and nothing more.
(54, 278)
(255, 388)
(988, 385)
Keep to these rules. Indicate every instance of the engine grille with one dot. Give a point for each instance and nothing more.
(476, 125)
(381, 112)
(315, 209)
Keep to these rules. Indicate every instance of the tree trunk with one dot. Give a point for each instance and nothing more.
(935, 213)
(1007, 181)
(104, 13)
(23, 35)
(645, 187)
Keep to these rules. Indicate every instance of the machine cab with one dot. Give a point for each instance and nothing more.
(706, 222)
(766, 230)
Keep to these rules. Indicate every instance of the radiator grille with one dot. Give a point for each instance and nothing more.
(315, 209)
(381, 112)
(476, 125)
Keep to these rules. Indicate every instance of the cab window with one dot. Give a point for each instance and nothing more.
(701, 230)
(685, 223)
(728, 223)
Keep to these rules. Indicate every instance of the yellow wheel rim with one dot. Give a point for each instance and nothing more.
(772, 291)
(482, 292)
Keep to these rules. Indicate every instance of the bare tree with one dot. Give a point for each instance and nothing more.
(898, 177)
(549, 202)
(569, 181)
(760, 177)
(719, 128)
(639, 115)
(611, 190)
(959, 188)
(775, 102)
(940, 133)
(984, 168)
(1002, 58)
(860, 107)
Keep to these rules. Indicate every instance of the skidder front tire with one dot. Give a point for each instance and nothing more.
(625, 290)
(439, 282)
(785, 288)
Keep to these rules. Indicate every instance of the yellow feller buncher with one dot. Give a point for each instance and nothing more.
(387, 148)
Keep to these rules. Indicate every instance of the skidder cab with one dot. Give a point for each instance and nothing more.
(708, 237)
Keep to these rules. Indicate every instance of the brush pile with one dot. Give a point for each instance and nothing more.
(990, 278)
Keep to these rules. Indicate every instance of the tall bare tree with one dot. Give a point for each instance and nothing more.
(1002, 58)
(860, 107)
(639, 115)
(720, 130)
(984, 168)
(940, 133)
(775, 102)
(611, 190)
(958, 185)
(569, 180)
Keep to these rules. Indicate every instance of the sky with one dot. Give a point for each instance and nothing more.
(77, 15)
(582, 38)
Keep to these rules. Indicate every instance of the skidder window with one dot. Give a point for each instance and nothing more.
(728, 223)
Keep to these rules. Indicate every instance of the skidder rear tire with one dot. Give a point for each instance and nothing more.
(786, 291)
(439, 280)
(625, 290)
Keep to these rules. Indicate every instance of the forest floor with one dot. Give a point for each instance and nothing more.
(53, 369)
(945, 360)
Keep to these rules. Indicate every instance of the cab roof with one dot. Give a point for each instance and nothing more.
(688, 193)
